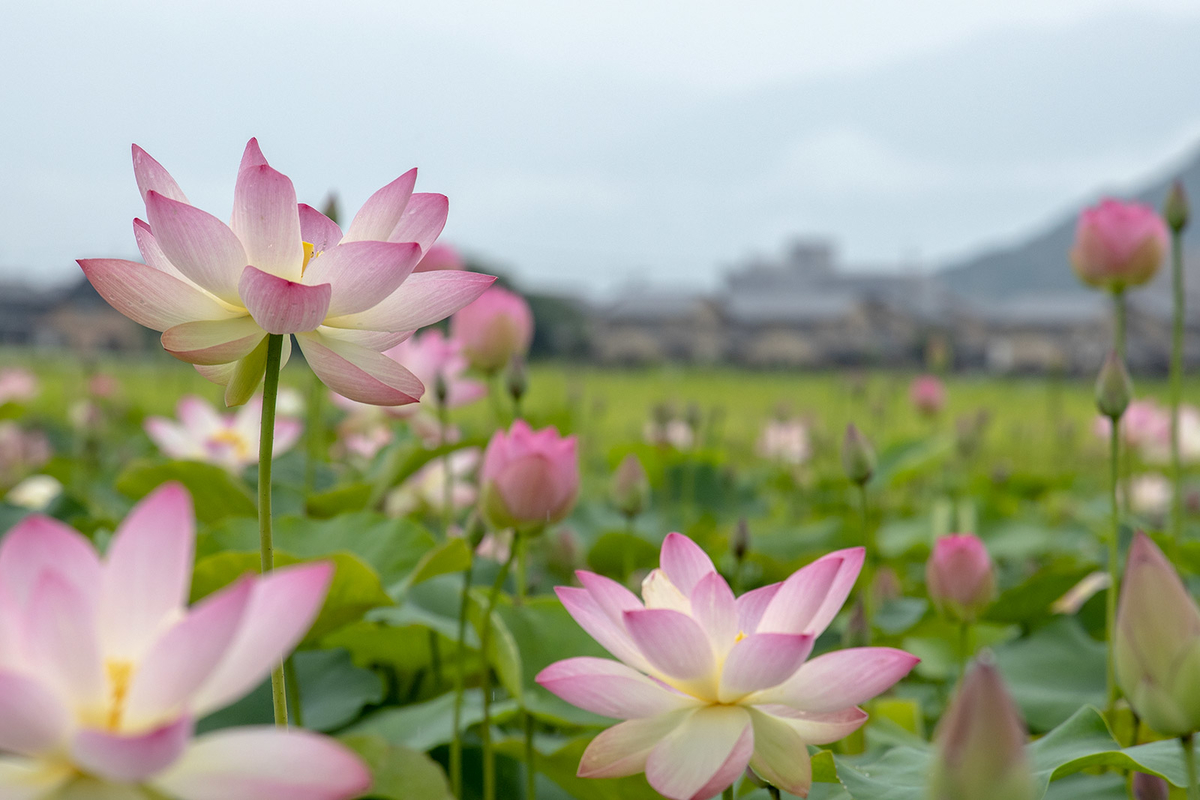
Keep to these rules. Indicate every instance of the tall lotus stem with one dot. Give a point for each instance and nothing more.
(530, 771)
(1189, 759)
(1120, 321)
(1176, 213)
(314, 437)
(485, 679)
(456, 746)
(266, 445)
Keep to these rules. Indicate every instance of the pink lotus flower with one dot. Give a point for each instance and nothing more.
(928, 395)
(785, 442)
(529, 478)
(104, 668)
(217, 290)
(493, 329)
(431, 356)
(230, 441)
(709, 684)
(440, 256)
(960, 577)
(17, 385)
(1118, 245)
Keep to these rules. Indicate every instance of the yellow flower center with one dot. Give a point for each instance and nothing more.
(120, 675)
(241, 447)
(308, 256)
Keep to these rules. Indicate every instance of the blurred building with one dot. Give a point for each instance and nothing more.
(73, 317)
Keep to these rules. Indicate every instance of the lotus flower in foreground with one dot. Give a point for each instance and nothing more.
(217, 290)
(709, 684)
(229, 441)
(104, 669)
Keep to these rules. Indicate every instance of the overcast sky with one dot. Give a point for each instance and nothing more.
(587, 145)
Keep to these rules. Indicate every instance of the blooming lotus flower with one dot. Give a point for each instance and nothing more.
(1150, 494)
(1118, 245)
(493, 329)
(708, 684)
(529, 477)
(960, 577)
(426, 488)
(1143, 422)
(440, 256)
(104, 668)
(1157, 449)
(17, 385)
(35, 492)
(230, 441)
(1157, 647)
(980, 743)
(217, 290)
(785, 441)
(928, 395)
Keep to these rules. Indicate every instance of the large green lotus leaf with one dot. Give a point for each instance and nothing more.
(1030, 600)
(333, 691)
(501, 651)
(341, 500)
(354, 591)
(216, 494)
(617, 554)
(561, 764)
(398, 772)
(907, 459)
(422, 726)
(1053, 672)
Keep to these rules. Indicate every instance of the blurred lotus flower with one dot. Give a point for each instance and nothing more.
(1118, 245)
(928, 395)
(1157, 647)
(709, 684)
(217, 290)
(230, 441)
(1150, 494)
(433, 356)
(362, 441)
(113, 668)
(85, 415)
(858, 457)
(674, 433)
(21, 452)
(438, 257)
(785, 442)
(1150, 787)
(103, 386)
(17, 385)
(529, 478)
(493, 329)
(35, 492)
(289, 402)
(1157, 449)
(960, 577)
(980, 743)
(630, 490)
(1143, 423)
(425, 490)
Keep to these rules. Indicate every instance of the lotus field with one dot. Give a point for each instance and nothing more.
(410, 565)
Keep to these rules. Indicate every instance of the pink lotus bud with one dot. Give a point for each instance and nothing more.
(630, 487)
(438, 257)
(1118, 245)
(928, 395)
(529, 478)
(494, 328)
(1114, 389)
(858, 457)
(981, 743)
(960, 577)
(1157, 646)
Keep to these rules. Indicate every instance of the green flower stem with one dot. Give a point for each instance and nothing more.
(485, 679)
(1113, 559)
(448, 485)
(1119, 320)
(314, 435)
(456, 746)
(868, 572)
(728, 793)
(530, 762)
(1176, 386)
(773, 791)
(521, 546)
(266, 445)
(295, 706)
(1189, 759)
(964, 647)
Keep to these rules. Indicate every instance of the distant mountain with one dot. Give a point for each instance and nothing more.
(1040, 264)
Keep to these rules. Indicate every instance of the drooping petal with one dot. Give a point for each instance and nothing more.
(267, 221)
(362, 273)
(199, 244)
(148, 570)
(379, 341)
(39, 544)
(714, 607)
(602, 627)
(684, 562)
(265, 764)
(149, 296)
(610, 688)
(358, 373)
(131, 759)
(283, 306)
(423, 299)
(780, 755)
(217, 373)
(702, 756)
(183, 658)
(622, 749)
(800, 598)
(151, 176)
(63, 647)
(422, 221)
(672, 642)
(378, 217)
(823, 727)
(29, 779)
(216, 342)
(33, 719)
(318, 230)
(762, 660)
(841, 679)
(752, 605)
(281, 610)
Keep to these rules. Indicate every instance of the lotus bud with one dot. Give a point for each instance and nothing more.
(493, 328)
(741, 540)
(518, 378)
(530, 478)
(630, 487)
(1118, 245)
(1114, 388)
(927, 395)
(1157, 642)
(858, 457)
(1150, 787)
(960, 577)
(980, 743)
(1175, 209)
